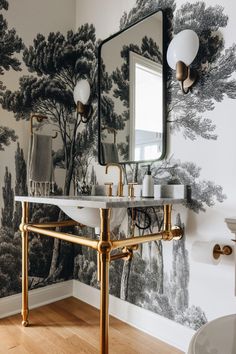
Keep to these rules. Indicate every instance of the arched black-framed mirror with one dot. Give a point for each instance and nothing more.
(131, 100)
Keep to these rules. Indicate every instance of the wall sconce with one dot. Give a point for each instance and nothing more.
(180, 54)
(81, 96)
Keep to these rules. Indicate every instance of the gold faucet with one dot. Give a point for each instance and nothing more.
(120, 184)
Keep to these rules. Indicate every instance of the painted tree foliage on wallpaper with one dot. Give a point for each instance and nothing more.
(57, 63)
(10, 249)
(54, 65)
(167, 294)
(182, 116)
(10, 45)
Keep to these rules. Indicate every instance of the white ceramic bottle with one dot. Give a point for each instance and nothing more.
(148, 184)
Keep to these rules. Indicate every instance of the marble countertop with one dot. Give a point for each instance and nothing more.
(99, 201)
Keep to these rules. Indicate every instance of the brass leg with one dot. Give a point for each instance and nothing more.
(104, 248)
(167, 217)
(24, 234)
(98, 267)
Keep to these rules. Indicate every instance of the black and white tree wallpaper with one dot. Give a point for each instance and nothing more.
(51, 66)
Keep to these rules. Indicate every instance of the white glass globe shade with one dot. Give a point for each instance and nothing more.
(82, 91)
(183, 47)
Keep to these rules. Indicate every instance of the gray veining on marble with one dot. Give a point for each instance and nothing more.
(99, 201)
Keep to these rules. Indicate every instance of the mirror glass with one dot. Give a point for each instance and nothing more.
(131, 94)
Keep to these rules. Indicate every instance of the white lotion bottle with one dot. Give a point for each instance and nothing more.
(148, 184)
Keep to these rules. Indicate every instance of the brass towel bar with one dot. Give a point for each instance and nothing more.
(39, 118)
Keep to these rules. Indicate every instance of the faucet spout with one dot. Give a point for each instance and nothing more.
(120, 184)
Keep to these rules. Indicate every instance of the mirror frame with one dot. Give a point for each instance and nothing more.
(164, 81)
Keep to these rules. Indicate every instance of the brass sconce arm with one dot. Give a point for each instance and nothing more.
(186, 76)
(85, 111)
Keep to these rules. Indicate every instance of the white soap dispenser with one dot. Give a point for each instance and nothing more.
(148, 184)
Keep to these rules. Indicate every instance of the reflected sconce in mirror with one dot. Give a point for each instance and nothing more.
(180, 54)
(81, 97)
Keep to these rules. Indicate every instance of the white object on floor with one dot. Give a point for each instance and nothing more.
(217, 336)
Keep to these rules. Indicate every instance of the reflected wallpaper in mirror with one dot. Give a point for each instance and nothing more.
(131, 114)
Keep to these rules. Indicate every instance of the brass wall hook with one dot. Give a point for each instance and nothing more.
(218, 251)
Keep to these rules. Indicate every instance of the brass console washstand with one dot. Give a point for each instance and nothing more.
(103, 246)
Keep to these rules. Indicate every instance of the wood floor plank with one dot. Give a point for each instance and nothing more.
(72, 327)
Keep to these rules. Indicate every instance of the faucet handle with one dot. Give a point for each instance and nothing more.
(131, 189)
(109, 189)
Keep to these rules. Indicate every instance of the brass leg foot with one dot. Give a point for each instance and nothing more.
(25, 323)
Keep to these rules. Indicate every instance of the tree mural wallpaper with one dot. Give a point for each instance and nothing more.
(55, 63)
(11, 44)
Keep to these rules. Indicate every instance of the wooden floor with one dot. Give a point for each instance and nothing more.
(71, 327)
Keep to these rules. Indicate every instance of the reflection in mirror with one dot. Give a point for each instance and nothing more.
(145, 92)
(131, 112)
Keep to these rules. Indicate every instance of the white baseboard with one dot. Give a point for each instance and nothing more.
(157, 326)
(10, 305)
(144, 320)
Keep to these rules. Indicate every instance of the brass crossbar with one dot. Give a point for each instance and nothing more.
(83, 241)
(55, 224)
(137, 240)
(114, 257)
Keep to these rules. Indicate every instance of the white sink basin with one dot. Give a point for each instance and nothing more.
(91, 216)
